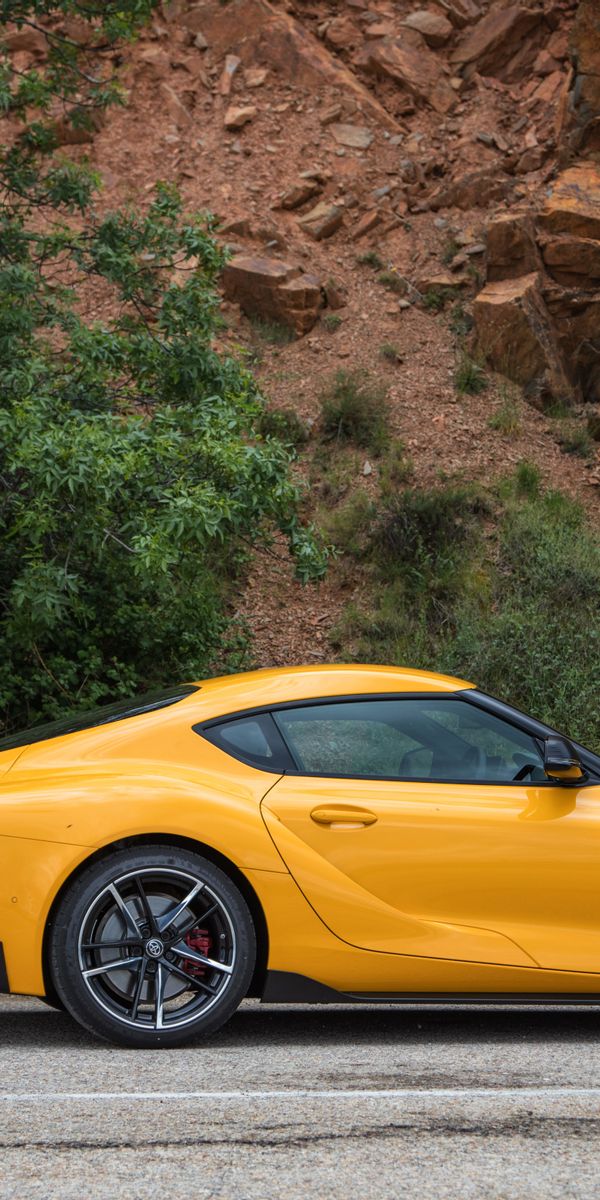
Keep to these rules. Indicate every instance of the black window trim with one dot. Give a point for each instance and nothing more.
(511, 716)
(203, 730)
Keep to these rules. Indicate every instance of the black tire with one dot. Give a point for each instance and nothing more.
(184, 938)
(53, 1002)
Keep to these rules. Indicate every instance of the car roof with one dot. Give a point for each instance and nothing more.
(276, 685)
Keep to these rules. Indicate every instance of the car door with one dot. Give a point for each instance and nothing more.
(424, 825)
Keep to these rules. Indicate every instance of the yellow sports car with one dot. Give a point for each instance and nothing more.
(312, 834)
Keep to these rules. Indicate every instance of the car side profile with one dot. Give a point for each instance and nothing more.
(312, 834)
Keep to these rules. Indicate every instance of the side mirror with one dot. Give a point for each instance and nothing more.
(561, 763)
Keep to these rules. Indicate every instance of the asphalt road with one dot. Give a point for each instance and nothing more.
(306, 1102)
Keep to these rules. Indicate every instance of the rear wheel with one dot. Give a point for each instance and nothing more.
(152, 946)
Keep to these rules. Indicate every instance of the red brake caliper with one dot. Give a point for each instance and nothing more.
(200, 940)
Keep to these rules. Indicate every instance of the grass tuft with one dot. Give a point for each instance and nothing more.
(331, 322)
(469, 377)
(392, 281)
(354, 409)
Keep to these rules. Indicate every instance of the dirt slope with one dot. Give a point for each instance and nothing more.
(414, 126)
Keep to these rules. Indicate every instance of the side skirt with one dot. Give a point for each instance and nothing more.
(286, 987)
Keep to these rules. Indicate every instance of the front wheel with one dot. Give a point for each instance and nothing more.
(152, 946)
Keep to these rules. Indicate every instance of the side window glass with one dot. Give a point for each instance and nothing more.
(253, 739)
(444, 740)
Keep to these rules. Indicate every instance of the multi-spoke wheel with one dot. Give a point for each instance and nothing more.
(152, 946)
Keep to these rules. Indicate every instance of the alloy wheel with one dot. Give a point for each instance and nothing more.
(157, 948)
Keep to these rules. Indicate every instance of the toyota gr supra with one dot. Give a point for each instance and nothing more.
(317, 834)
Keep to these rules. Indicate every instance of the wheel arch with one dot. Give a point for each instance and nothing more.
(228, 867)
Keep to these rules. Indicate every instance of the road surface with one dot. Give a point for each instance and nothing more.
(299, 1102)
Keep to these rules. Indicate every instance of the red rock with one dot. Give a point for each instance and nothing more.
(299, 193)
(32, 41)
(330, 114)
(173, 105)
(511, 246)
(460, 12)
(358, 137)
(232, 62)
(476, 189)
(379, 29)
(496, 38)
(268, 36)
(517, 336)
(438, 281)
(367, 222)
(156, 59)
(435, 29)
(585, 51)
(236, 118)
(255, 76)
(558, 44)
(419, 72)
(342, 34)
(548, 89)
(573, 262)
(573, 204)
(544, 63)
(323, 220)
(274, 290)
(335, 294)
(531, 160)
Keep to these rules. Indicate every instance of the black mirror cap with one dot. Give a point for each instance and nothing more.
(561, 762)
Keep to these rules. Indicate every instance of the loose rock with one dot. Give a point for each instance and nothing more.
(236, 118)
(323, 220)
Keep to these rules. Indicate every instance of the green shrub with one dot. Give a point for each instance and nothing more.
(283, 424)
(370, 259)
(134, 479)
(390, 352)
(272, 333)
(331, 322)
(395, 470)
(574, 438)
(461, 322)
(502, 590)
(347, 527)
(354, 409)
(333, 475)
(527, 479)
(451, 249)
(469, 377)
(506, 419)
(392, 281)
(435, 299)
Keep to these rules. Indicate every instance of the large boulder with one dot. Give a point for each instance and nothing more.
(572, 205)
(581, 116)
(541, 307)
(517, 336)
(573, 261)
(414, 68)
(511, 246)
(500, 36)
(273, 290)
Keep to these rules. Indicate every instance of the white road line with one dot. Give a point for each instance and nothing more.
(525, 1093)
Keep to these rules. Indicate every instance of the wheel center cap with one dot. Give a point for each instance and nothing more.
(155, 948)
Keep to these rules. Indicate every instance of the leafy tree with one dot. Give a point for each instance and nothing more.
(134, 476)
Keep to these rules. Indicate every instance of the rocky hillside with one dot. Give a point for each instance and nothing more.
(410, 189)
